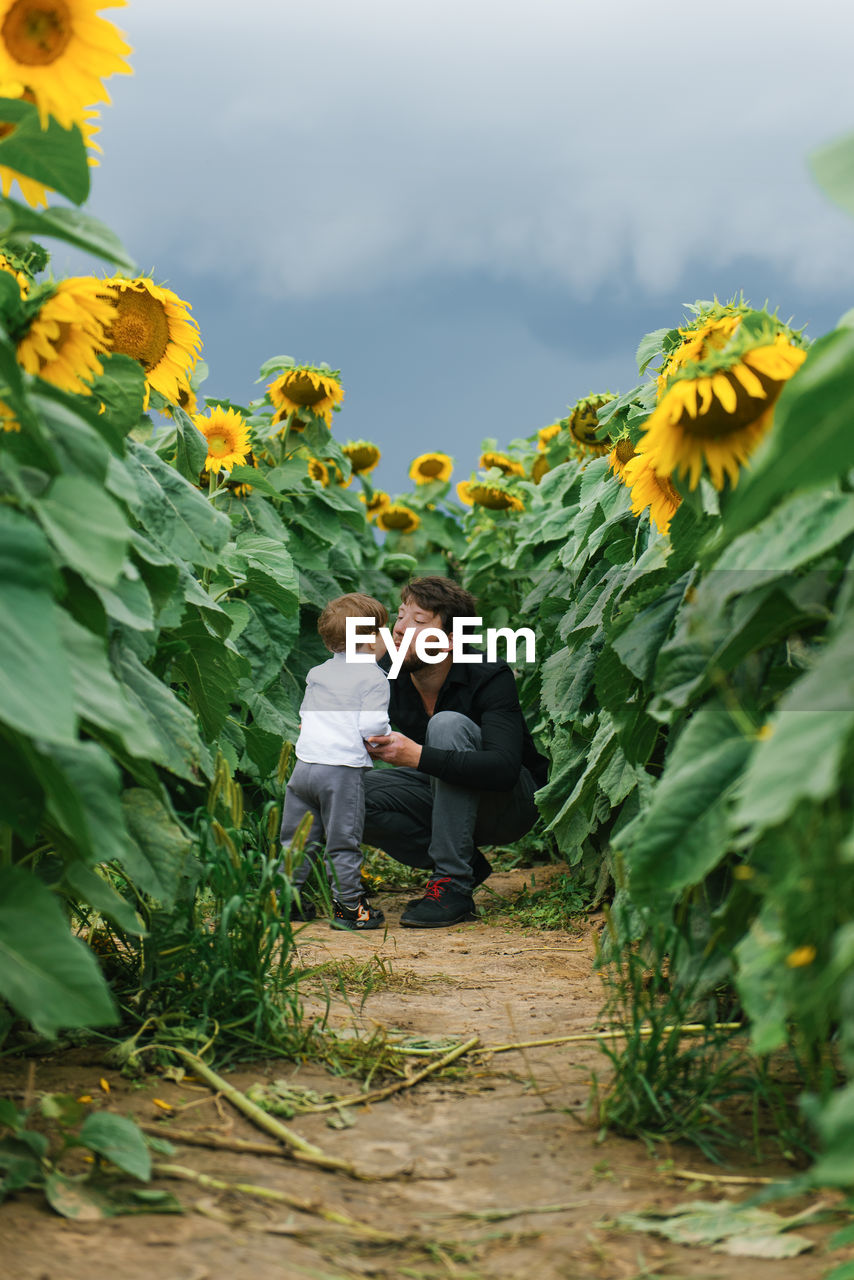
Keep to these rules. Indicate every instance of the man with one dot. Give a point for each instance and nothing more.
(466, 765)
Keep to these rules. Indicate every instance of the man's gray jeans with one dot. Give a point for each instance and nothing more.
(424, 822)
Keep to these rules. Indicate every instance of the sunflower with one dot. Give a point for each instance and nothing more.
(398, 518)
(622, 452)
(154, 326)
(306, 387)
(8, 421)
(35, 193)
(648, 489)
(227, 435)
(188, 400)
(491, 496)
(502, 461)
(12, 270)
(464, 492)
(428, 467)
(710, 331)
(545, 435)
(539, 469)
(377, 502)
(336, 476)
(583, 423)
(68, 333)
(362, 455)
(61, 51)
(716, 410)
(318, 471)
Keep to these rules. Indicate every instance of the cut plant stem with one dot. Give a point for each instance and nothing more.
(688, 1029)
(299, 1148)
(279, 1197)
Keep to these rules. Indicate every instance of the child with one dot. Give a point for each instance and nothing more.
(345, 702)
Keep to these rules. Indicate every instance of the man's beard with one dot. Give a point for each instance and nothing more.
(413, 663)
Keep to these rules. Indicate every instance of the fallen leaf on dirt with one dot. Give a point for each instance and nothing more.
(738, 1230)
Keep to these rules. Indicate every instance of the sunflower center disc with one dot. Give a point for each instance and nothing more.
(140, 329)
(717, 423)
(302, 390)
(218, 446)
(431, 468)
(36, 32)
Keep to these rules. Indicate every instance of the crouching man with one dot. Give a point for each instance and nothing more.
(466, 767)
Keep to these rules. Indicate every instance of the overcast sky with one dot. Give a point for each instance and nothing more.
(474, 209)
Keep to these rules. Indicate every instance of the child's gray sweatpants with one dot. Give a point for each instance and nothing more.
(334, 794)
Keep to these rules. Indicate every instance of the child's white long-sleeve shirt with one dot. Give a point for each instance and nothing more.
(345, 702)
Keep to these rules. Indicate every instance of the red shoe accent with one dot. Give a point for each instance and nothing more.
(436, 888)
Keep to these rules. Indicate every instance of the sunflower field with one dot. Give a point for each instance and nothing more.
(683, 551)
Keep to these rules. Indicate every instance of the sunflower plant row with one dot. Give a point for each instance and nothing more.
(693, 601)
(164, 558)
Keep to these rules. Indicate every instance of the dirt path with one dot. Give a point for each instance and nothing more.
(460, 1161)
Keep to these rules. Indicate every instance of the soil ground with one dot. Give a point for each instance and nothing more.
(495, 1173)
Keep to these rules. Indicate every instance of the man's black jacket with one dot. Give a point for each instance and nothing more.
(486, 693)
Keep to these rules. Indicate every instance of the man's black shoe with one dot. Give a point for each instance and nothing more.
(442, 905)
(481, 870)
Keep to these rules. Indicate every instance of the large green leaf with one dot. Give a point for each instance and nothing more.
(86, 526)
(809, 735)
(118, 1140)
(796, 532)
(175, 729)
(35, 680)
(98, 696)
(70, 225)
(176, 516)
(192, 446)
(211, 669)
(161, 849)
(812, 441)
(762, 979)
(268, 571)
(54, 157)
(47, 976)
(121, 390)
(683, 834)
(82, 783)
(833, 169)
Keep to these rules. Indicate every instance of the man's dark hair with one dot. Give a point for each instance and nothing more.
(442, 596)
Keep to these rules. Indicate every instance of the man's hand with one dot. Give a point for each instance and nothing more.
(394, 748)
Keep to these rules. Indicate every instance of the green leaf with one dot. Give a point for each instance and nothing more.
(761, 980)
(683, 834)
(70, 225)
(118, 1140)
(89, 887)
(82, 784)
(809, 734)
(98, 696)
(192, 446)
(267, 569)
(49, 977)
(161, 848)
(179, 748)
(19, 1166)
(121, 390)
(35, 679)
(833, 169)
(796, 532)
(174, 515)
(740, 1230)
(211, 670)
(54, 157)
(86, 526)
(811, 443)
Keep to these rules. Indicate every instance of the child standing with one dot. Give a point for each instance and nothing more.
(345, 702)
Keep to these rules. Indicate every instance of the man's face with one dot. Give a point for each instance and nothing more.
(412, 614)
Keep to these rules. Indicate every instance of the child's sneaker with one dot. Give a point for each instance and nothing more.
(362, 916)
(302, 909)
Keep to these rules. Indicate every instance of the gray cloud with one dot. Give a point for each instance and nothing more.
(335, 147)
